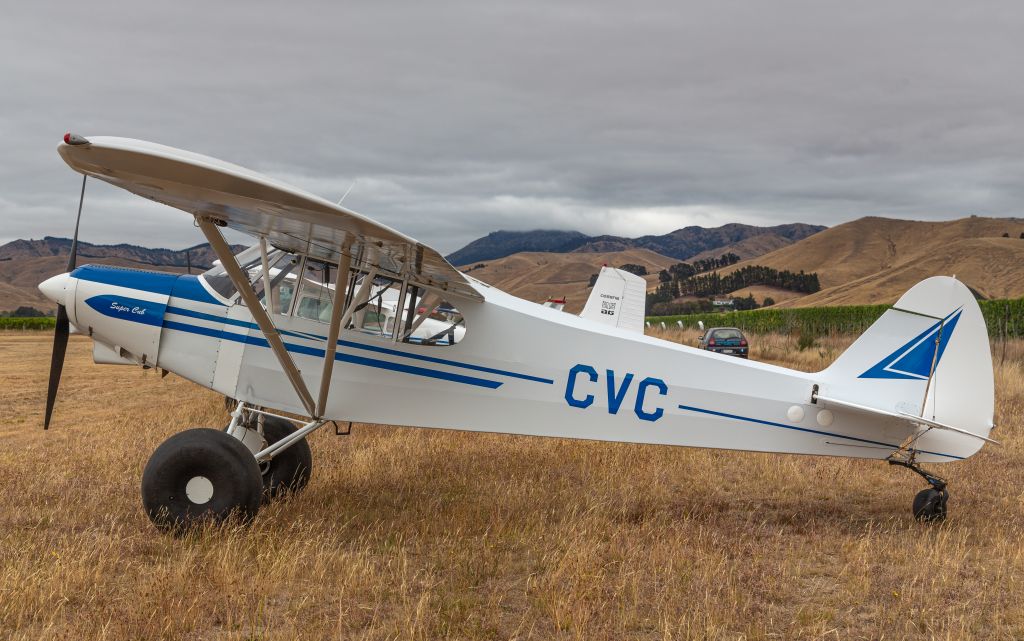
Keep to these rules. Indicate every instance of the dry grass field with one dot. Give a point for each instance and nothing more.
(420, 534)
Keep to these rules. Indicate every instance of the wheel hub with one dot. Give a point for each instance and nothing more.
(199, 490)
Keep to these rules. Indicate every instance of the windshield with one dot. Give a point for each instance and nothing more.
(218, 279)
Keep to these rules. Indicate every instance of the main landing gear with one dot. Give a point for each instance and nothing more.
(206, 475)
(930, 503)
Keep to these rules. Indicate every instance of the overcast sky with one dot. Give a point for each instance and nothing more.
(457, 119)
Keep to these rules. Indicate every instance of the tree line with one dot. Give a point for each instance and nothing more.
(714, 284)
(685, 270)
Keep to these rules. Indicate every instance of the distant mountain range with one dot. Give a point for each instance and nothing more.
(682, 244)
(201, 255)
(870, 260)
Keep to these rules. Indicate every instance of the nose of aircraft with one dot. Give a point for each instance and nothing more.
(53, 288)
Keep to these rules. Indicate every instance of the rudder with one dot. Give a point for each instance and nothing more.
(927, 356)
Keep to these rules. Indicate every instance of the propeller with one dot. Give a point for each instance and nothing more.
(63, 329)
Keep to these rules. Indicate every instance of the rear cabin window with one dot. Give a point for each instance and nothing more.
(727, 334)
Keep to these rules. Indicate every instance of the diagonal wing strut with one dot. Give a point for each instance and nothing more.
(244, 287)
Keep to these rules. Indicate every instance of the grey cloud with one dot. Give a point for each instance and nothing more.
(458, 118)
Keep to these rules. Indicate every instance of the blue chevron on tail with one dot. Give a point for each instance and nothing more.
(914, 359)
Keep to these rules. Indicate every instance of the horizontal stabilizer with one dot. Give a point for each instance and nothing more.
(910, 418)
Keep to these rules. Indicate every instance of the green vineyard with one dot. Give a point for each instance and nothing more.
(1005, 318)
(34, 322)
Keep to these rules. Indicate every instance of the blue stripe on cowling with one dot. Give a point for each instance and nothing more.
(155, 282)
(370, 348)
(190, 288)
(348, 358)
(178, 285)
(803, 429)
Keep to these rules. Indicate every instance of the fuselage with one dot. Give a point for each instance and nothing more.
(518, 368)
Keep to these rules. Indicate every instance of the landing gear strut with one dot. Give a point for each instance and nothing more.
(288, 471)
(930, 503)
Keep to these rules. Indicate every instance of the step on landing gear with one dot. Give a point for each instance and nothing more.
(930, 503)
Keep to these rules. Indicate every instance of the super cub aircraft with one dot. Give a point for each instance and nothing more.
(334, 317)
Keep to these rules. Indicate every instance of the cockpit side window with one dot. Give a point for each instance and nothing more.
(316, 292)
(282, 282)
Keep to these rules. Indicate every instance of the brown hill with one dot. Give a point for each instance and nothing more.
(537, 276)
(875, 260)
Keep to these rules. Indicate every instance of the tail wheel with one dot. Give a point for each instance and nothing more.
(930, 505)
(289, 470)
(200, 475)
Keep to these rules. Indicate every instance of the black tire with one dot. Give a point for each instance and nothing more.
(289, 470)
(930, 505)
(197, 464)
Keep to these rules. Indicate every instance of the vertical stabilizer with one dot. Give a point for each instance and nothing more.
(618, 299)
(928, 356)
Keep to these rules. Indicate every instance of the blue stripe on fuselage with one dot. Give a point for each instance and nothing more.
(189, 288)
(348, 358)
(370, 348)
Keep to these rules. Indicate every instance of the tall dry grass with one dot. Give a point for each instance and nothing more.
(420, 534)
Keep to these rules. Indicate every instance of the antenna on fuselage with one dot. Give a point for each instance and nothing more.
(347, 191)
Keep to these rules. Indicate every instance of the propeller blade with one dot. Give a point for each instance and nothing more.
(63, 328)
(73, 256)
(60, 345)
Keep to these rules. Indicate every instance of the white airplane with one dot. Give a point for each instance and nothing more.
(916, 387)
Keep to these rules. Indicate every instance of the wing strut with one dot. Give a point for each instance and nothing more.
(339, 319)
(244, 287)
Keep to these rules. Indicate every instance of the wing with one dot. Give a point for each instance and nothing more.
(244, 200)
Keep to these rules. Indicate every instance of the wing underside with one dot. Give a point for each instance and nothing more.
(254, 204)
